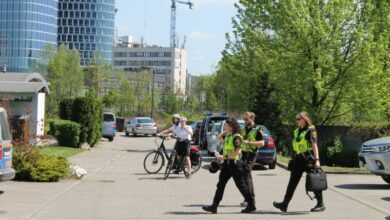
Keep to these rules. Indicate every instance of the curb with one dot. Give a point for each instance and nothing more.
(284, 166)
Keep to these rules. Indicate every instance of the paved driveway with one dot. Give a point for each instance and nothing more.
(118, 188)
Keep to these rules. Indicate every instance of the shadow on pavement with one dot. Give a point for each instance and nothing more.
(162, 178)
(266, 174)
(134, 150)
(220, 206)
(386, 199)
(186, 213)
(364, 186)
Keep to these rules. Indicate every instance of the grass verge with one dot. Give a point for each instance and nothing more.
(284, 160)
(65, 152)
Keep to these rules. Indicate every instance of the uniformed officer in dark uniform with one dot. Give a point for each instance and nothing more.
(305, 147)
(231, 167)
(253, 139)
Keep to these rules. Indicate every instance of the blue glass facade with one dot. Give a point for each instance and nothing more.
(88, 26)
(26, 27)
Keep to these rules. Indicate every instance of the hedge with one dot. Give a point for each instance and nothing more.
(66, 132)
(65, 108)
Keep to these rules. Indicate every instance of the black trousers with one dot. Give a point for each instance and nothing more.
(249, 159)
(233, 169)
(299, 166)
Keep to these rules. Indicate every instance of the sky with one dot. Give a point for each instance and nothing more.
(205, 27)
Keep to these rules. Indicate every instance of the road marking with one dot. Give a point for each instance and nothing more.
(75, 184)
(359, 201)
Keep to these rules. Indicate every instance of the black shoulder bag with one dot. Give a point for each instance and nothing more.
(316, 181)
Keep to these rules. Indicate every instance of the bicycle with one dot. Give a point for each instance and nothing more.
(157, 158)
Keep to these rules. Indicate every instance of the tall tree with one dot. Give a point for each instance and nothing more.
(65, 77)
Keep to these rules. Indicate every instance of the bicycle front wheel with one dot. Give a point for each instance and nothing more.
(153, 162)
(198, 163)
(170, 164)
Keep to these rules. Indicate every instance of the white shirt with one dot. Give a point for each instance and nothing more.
(181, 132)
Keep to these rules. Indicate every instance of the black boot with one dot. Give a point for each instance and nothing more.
(210, 208)
(250, 208)
(282, 206)
(320, 207)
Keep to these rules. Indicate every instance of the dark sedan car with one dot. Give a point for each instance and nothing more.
(267, 154)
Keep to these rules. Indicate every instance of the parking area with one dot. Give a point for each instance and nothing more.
(117, 187)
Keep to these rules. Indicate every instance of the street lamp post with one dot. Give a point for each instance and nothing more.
(152, 109)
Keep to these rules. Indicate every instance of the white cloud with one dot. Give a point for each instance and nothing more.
(196, 35)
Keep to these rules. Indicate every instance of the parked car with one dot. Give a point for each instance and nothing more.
(375, 157)
(214, 144)
(120, 124)
(267, 154)
(141, 125)
(6, 170)
(207, 125)
(196, 130)
(109, 125)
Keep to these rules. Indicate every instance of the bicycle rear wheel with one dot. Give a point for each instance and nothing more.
(153, 162)
(171, 161)
(198, 164)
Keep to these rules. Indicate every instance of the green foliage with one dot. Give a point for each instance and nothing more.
(65, 108)
(30, 165)
(66, 132)
(367, 131)
(87, 111)
(320, 56)
(335, 154)
(65, 76)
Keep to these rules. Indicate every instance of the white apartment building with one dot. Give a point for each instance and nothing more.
(170, 64)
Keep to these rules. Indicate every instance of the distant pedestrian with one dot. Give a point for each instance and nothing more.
(231, 166)
(305, 153)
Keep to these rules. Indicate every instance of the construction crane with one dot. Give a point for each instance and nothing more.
(173, 18)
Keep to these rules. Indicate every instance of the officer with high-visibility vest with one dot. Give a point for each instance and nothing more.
(305, 156)
(253, 139)
(231, 166)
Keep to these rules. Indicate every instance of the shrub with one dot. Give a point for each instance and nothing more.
(87, 111)
(30, 165)
(65, 108)
(334, 153)
(66, 132)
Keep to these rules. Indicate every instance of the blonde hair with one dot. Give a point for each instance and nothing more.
(305, 116)
(250, 115)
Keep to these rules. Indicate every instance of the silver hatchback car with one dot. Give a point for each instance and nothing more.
(141, 125)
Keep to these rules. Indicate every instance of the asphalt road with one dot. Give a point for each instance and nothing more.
(117, 187)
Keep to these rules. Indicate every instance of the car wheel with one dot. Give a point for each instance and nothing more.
(110, 139)
(272, 165)
(134, 134)
(386, 178)
(127, 133)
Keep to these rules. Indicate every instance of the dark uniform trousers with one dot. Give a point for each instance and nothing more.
(232, 168)
(299, 166)
(249, 159)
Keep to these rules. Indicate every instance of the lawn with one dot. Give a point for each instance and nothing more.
(285, 160)
(59, 150)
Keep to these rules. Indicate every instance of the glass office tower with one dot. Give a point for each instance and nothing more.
(88, 26)
(26, 27)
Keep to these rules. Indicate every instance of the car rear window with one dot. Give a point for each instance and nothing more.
(108, 117)
(145, 120)
(5, 132)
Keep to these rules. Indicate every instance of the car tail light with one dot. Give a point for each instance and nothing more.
(138, 126)
(271, 142)
(1, 152)
(115, 125)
